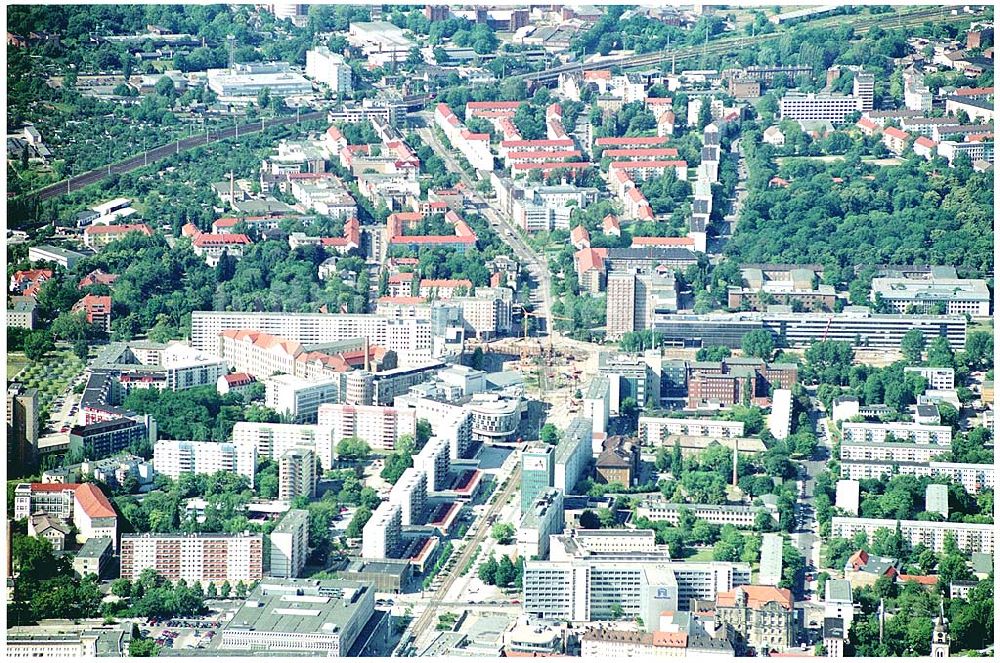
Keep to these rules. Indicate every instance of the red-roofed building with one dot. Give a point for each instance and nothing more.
(390, 301)
(191, 231)
(665, 124)
(211, 246)
(925, 581)
(82, 503)
(778, 182)
(98, 310)
(444, 288)
(97, 236)
(541, 156)
(683, 242)
(611, 226)
(637, 154)
(491, 109)
(97, 277)
(631, 141)
(925, 147)
(636, 205)
(868, 127)
(553, 145)
(762, 614)
(643, 170)
(463, 239)
(973, 92)
(236, 382)
(401, 284)
(549, 166)
(334, 140)
(508, 129)
(579, 238)
(895, 139)
(29, 279)
(590, 269)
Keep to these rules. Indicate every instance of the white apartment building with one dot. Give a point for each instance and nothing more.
(970, 537)
(488, 314)
(973, 477)
(188, 367)
(290, 544)
(329, 69)
(451, 422)
(298, 398)
(410, 494)
(779, 422)
(175, 457)
(296, 474)
(937, 378)
(410, 337)
(434, 461)
(380, 427)
(897, 452)
(382, 532)
(194, 557)
(738, 515)
(655, 430)
(916, 95)
(572, 454)
(474, 147)
(273, 440)
(835, 108)
(903, 431)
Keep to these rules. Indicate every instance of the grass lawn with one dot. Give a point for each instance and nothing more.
(703, 555)
(51, 375)
(15, 362)
(981, 326)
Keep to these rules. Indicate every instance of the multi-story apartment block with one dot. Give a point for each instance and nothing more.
(290, 544)
(380, 427)
(970, 537)
(22, 427)
(273, 440)
(896, 452)
(763, 616)
(382, 532)
(655, 430)
(299, 398)
(410, 493)
(631, 376)
(899, 431)
(434, 461)
(544, 517)
(108, 437)
(297, 474)
(835, 108)
(194, 557)
(572, 454)
(973, 477)
(175, 457)
(739, 515)
(330, 69)
(864, 89)
(454, 422)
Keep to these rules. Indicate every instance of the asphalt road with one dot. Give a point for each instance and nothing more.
(162, 152)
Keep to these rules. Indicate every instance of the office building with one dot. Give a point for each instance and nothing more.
(839, 601)
(380, 41)
(970, 537)
(243, 82)
(636, 297)
(544, 517)
(70, 643)
(273, 440)
(632, 376)
(951, 296)
(93, 557)
(597, 403)
(453, 422)
(848, 495)
(937, 378)
(834, 636)
(297, 474)
(63, 257)
(301, 617)
(771, 552)
(537, 473)
(22, 427)
(781, 284)
(193, 557)
(110, 436)
(732, 381)
(864, 89)
(82, 504)
(572, 454)
(764, 616)
(329, 69)
(382, 533)
(298, 398)
(899, 431)
(175, 457)
(818, 106)
(290, 544)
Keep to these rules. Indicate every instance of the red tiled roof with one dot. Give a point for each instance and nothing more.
(972, 91)
(579, 234)
(756, 596)
(53, 487)
(221, 239)
(263, 340)
(587, 259)
(97, 277)
(866, 123)
(631, 140)
(493, 105)
(641, 152)
(662, 241)
(239, 379)
(559, 142)
(924, 141)
(552, 165)
(93, 501)
(630, 165)
(445, 283)
(597, 74)
(401, 300)
(551, 156)
(922, 580)
(118, 230)
(896, 133)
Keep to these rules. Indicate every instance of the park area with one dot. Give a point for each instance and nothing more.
(50, 375)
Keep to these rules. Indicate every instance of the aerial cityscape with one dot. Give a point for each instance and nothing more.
(459, 330)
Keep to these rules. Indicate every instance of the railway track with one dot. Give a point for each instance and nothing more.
(423, 622)
(162, 152)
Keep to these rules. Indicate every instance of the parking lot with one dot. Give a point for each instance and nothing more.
(182, 633)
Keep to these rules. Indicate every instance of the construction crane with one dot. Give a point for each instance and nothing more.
(547, 357)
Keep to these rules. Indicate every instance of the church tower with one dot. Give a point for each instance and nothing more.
(941, 640)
